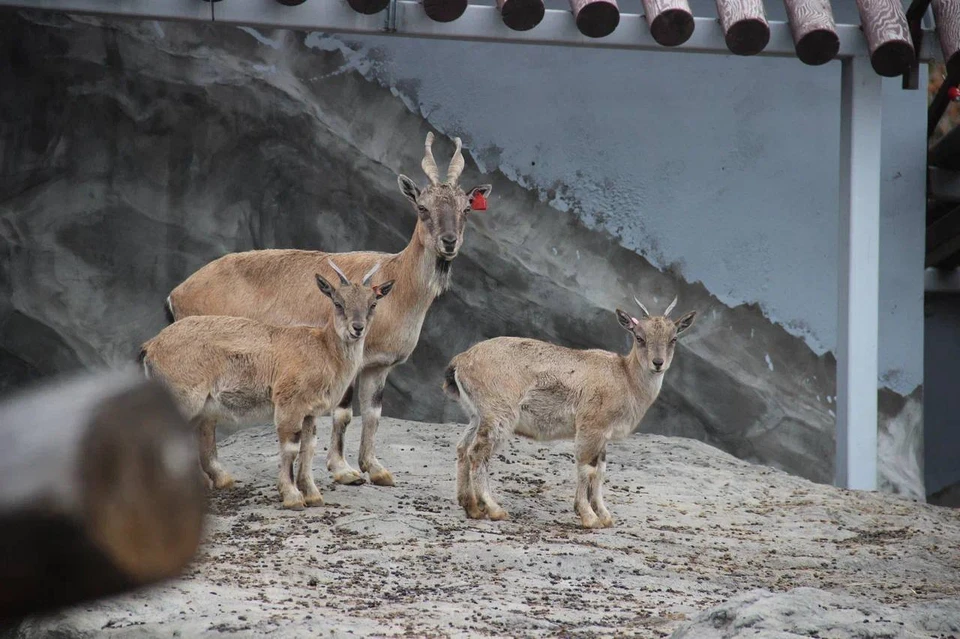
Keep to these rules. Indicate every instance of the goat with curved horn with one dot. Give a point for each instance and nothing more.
(666, 313)
(343, 277)
(366, 278)
(428, 164)
(456, 164)
(643, 308)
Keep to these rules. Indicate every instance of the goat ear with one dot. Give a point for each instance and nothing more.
(409, 188)
(482, 189)
(625, 320)
(478, 197)
(324, 286)
(381, 290)
(685, 322)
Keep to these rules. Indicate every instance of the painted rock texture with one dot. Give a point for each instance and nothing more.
(135, 152)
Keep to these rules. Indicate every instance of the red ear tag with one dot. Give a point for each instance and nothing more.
(478, 203)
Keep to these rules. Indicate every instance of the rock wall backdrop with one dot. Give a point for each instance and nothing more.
(131, 153)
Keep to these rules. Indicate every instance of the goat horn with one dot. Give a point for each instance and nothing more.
(366, 278)
(343, 278)
(456, 164)
(428, 163)
(666, 313)
(643, 308)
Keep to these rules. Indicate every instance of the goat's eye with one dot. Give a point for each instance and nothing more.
(338, 305)
(641, 341)
(673, 341)
(422, 209)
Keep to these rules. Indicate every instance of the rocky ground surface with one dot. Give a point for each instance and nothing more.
(704, 546)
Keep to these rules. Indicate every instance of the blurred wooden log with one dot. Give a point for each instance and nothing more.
(888, 36)
(745, 27)
(444, 10)
(670, 21)
(100, 491)
(946, 14)
(595, 18)
(814, 30)
(521, 15)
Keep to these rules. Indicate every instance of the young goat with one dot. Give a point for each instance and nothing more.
(543, 391)
(230, 368)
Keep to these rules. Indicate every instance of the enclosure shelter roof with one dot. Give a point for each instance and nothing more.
(810, 33)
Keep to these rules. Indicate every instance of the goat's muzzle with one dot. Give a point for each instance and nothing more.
(356, 331)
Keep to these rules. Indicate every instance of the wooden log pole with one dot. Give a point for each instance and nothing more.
(745, 26)
(888, 36)
(366, 7)
(670, 21)
(521, 15)
(595, 18)
(444, 10)
(100, 491)
(814, 30)
(946, 13)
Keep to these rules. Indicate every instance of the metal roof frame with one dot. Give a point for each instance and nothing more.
(478, 24)
(860, 119)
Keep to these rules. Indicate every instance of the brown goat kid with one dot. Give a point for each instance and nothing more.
(231, 368)
(544, 391)
(269, 286)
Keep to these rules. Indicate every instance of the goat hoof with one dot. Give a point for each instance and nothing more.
(382, 478)
(294, 503)
(591, 521)
(606, 522)
(348, 477)
(313, 500)
(223, 481)
(474, 512)
(497, 514)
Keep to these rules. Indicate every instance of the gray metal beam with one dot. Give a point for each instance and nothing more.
(142, 9)
(859, 285)
(478, 24)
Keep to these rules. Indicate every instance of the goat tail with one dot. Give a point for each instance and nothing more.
(142, 361)
(450, 386)
(168, 310)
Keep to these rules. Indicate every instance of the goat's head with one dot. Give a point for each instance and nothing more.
(442, 206)
(655, 336)
(353, 303)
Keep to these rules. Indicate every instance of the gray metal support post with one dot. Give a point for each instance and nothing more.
(859, 268)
